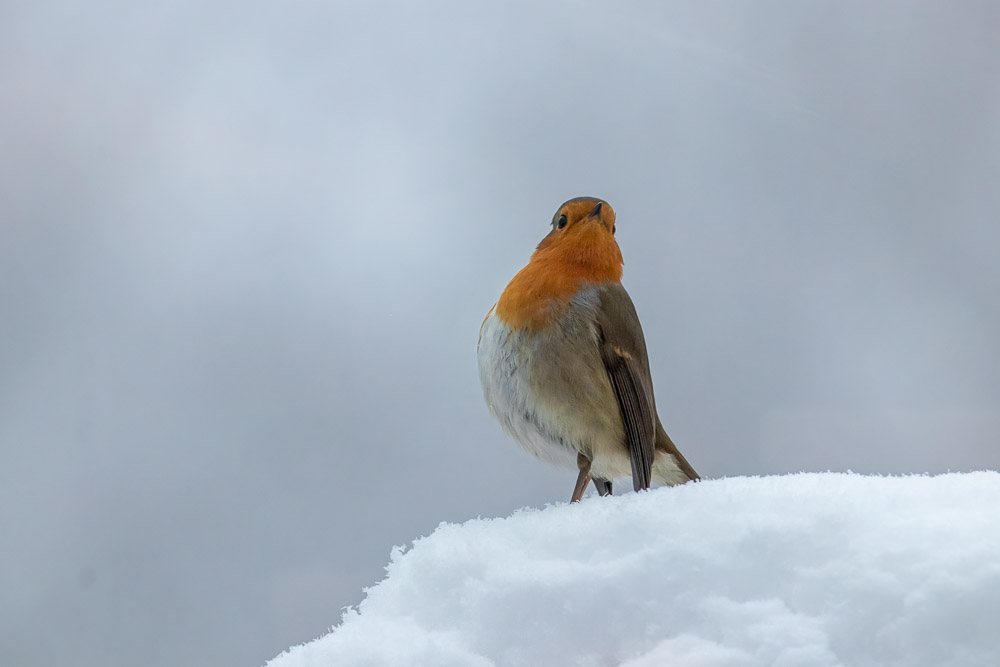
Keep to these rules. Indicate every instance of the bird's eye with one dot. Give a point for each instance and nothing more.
(562, 221)
(614, 228)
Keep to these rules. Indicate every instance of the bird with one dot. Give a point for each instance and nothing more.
(563, 364)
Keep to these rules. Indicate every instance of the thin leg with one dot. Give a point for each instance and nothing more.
(583, 480)
(603, 486)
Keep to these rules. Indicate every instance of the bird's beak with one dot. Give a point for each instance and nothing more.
(596, 211)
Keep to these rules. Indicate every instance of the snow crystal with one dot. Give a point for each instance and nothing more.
(809, 570)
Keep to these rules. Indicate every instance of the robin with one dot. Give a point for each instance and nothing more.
(563, 364)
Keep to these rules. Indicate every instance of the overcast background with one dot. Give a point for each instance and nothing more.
(246, 249)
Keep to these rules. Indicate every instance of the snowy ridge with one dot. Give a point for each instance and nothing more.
(808, 570)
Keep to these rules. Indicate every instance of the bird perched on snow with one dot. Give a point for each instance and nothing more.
(563, 364)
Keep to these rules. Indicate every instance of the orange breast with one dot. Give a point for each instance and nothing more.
(540, 292)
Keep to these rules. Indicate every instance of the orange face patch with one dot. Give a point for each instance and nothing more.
(583, 250)
(581, 209)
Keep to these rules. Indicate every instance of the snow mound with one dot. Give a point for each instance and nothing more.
(808, 570)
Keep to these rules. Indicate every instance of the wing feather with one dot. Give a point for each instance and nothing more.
(623, 352)
(637, 416)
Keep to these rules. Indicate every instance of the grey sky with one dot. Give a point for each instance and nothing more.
(245, 250)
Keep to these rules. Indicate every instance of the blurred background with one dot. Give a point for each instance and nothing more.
(246, 247)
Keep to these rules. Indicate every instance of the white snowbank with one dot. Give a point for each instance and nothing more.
(808, 570)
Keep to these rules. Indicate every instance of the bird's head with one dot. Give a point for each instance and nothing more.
(583, 235)
(580, 250)
(583, 215)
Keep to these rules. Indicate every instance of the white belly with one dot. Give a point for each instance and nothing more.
(550, 392)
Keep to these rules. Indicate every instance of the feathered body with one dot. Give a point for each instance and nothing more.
(562, 359)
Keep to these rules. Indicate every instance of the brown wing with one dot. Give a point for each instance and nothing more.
(623, 351)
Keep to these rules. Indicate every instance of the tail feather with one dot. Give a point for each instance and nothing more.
(665, 444)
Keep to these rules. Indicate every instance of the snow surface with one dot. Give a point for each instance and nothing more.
(808, 570)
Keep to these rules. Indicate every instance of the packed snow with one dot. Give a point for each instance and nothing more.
(809, 570)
